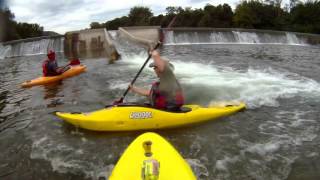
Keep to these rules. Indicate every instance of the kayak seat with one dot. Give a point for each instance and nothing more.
(185, 109)
(180, 110)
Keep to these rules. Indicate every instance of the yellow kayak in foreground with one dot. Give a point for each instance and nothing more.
(151, 157)
(133, 117)
(72, 71)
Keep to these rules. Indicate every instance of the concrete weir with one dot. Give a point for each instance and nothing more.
(90, 43)
(146, 35)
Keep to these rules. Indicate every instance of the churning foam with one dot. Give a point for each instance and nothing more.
(256, 87)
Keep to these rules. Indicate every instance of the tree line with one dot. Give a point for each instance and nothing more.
(296, 16)
(254, 14)
(12, 30)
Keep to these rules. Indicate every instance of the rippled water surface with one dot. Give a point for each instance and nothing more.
(277, 137)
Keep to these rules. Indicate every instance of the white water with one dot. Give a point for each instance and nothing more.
(256, 87)
(4, 51)
(172, 38)
(286, 133)
(232, 37)
(31, 48)
(52, 150)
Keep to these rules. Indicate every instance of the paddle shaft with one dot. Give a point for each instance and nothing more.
(63, 67)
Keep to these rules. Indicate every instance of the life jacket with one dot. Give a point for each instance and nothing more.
(49, 68)
(45, 67)
(160, 100)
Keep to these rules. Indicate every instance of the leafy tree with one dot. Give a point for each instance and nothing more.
(306, 17)
(276, 3)
(293, 3)
(157, 20)
(26, 30)
(117, 22)
(220, 16)
(256, 14)
(184, 18)
(96, 25)
(140, 16)
(172, 10)
(11, 30)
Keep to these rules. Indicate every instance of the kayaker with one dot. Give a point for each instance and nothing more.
(166, 93)
(50, 65)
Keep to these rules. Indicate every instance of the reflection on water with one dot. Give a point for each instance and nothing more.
(51, 90)
(3, 95)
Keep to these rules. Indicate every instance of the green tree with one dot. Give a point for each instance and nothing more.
(140, 16)
(220, 16)
(118, 22)
(305, 17)
(157, 20)
(173, 10)
(26, 30)
(9, 30)
(96, 25)
(258, 15)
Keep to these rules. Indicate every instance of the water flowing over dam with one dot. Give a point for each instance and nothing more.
(176, 36)
(233, 37)
(34, 46)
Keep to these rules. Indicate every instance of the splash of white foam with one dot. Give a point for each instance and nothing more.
(223, 163)
(198, 167)
(255, 87)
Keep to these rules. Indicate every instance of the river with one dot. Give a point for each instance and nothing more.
(275, 138)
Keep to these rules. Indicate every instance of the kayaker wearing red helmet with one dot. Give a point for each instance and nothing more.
(166, 93)
(50, 65)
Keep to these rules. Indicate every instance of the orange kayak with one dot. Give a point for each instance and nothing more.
(73, 71)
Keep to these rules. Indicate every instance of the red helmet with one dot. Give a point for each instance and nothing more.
(51, 55)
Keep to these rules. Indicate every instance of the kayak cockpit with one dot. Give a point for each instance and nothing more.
(183, 109)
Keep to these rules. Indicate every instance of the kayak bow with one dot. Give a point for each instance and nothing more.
(148, 157)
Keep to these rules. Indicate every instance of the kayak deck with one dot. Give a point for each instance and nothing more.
(171, 163)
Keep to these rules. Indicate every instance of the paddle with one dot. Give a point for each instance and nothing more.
(69, 64)
(135, 78)
(62, 69)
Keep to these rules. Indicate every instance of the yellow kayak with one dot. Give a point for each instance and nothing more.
(133, 117)
(72, 71)
(151, 157)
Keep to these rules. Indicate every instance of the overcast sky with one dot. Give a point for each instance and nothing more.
(67, 15)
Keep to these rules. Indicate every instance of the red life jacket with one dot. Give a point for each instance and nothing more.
(160, 101)
(45, 67)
